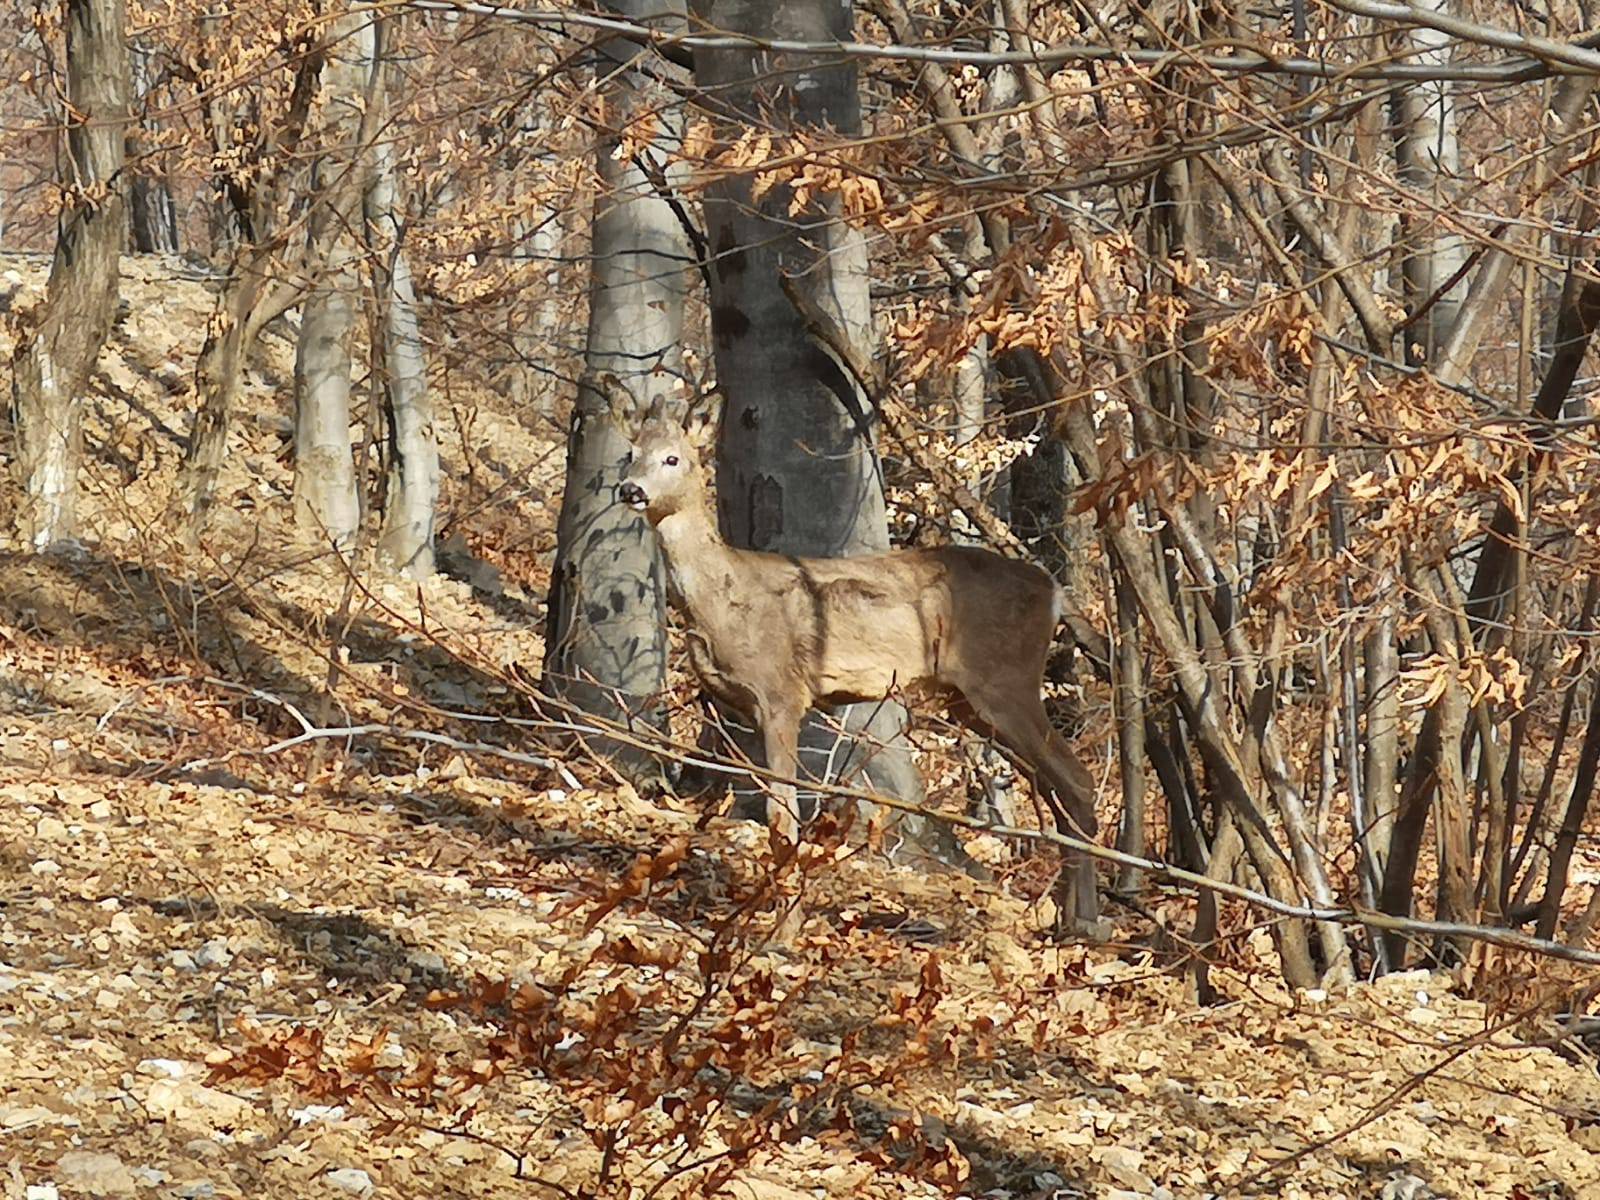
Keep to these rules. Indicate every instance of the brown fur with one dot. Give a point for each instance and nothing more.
(772, 636)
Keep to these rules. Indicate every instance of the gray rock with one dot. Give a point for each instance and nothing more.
(96, 1173)
(352, 1180)
(215, 953)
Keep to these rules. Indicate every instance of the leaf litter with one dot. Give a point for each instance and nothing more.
(374, 968)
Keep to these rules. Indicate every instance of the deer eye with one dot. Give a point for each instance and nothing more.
(670, 460)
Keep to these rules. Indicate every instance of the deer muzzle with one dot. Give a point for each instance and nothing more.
(633, 496)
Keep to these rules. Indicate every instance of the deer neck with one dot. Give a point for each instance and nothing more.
(693, 549)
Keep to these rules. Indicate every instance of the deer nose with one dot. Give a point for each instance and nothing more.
(632, 495)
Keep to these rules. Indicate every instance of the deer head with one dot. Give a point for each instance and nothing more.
(664, 476)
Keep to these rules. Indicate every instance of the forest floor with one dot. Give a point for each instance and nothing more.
(372, 966)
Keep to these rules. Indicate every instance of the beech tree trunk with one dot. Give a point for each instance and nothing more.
(411, 484)
(54, 359)
(1381, 746)
(1428, 155)
(326, 504)
(536, 239)
(607, 650)
(797, 463)
(327, 508)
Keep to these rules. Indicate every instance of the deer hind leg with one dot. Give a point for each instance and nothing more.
(1019, 720)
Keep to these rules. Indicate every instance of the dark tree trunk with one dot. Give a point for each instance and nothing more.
(797, 464)
(1571, 823)
(152, 216)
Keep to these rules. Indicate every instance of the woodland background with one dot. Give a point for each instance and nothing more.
(362, 828)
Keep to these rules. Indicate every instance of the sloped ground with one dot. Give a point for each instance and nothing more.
(232, 967)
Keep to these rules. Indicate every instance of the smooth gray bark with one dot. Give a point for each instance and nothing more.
(411, 484)
(1428, 155)
(53, 360)
(326, 504)
(797, 465)
(536, 240)
(1381, 746)
(606, 642)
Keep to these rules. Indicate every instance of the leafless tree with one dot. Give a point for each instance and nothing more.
(56, 355)
(606, 645)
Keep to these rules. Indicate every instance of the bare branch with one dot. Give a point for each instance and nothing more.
(1548, 50)
(1567, 60)
(1378, 328)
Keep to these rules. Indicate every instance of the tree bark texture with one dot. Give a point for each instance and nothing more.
(411, 445)
(247, 302)
(606, 642)
(1571, 827)
(1381, 700)
(1428, 156)
(327, 507)
(537, 240)
(326, 502)
(1131, 716)
(152, 216)
(54, 359)
(411, 483)
(797, 464)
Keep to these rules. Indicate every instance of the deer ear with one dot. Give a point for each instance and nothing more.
(700, 425)
(625, 410)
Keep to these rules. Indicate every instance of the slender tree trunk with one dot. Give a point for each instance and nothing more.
(1576, 322)
(537, 236)
(152, 216)
(606, 639)
(248, 303)
(1130, 731)
(229, 223)
(1435, 772)
(411, 452)
(217, 376)
(327, 506)
(1381, 700)
(537, 241)
(1428, 155)
(1555, 884)
(54, 359)
(411, 488)
(797, 468)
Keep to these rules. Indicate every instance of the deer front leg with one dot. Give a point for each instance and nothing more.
(780, 733)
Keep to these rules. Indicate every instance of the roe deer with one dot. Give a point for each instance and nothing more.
(772, 635)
